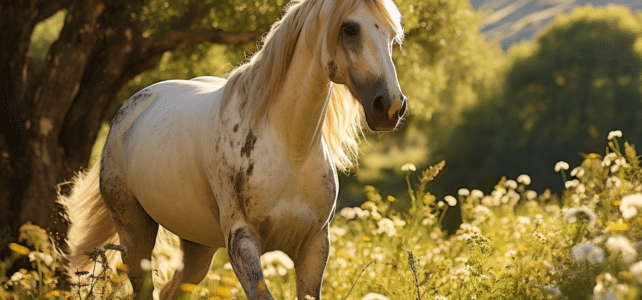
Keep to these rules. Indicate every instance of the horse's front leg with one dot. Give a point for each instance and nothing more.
(244, 250)
(310, 265)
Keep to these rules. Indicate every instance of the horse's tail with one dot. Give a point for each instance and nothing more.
(90, 225)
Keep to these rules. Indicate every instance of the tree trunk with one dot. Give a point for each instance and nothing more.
(51, 110)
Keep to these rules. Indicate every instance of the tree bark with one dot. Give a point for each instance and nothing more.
(51, 110)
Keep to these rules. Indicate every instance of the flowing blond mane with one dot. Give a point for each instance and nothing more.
(258, 81)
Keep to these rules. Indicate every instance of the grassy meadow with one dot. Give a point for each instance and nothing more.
(514, 243)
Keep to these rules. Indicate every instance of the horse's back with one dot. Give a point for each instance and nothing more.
(157, 143)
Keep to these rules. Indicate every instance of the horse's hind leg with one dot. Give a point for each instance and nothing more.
(136, 229)
(197, 260)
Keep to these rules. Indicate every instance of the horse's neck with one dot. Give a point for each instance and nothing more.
(300, 108)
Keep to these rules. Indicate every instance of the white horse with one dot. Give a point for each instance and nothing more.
(249, 163)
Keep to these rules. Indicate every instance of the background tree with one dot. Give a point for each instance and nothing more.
(52, 106)
(560, 97)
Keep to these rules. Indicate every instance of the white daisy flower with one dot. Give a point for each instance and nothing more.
(408, 167)
(614, 134)
(450, 200)
(630, 204)
(622, 244)
(525, 179)
(573, 212)
(561, 165)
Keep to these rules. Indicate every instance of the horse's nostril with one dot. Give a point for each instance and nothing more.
(378, 105)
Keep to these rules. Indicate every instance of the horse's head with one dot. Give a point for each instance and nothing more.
(358, 54)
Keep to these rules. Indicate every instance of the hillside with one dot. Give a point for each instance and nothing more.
(512, 21)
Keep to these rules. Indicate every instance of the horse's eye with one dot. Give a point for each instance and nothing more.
(351, 29)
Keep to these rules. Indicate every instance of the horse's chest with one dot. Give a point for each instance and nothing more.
(282, 204)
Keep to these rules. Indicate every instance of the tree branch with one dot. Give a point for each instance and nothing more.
(167, 41)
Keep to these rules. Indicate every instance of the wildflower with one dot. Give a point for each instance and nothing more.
(613, 182)
(525, 179)
(43, 257)
(386, 225)
(622, 244)
(277, 258)
(618, 226)
(228, 281)
(450, 200)
(188, 287)
(553, 289)
(531, 195)
(577, 172)
(145, 264)
(19, 248)
(408, 167)
(626, 275)
(561, 165)
(596, 256)
(366, 238)
(608, 159)
(223, 291)
(338, 230)
(391, 198)
(17, 276)
(374, 296)
(630, 204)
(571, 183)
(463, 192)
(636, 271)
(573, 212)
(348, 213)
(541, 237)
(476, 193)
(122, 267)
(587, 252)
(614, 134)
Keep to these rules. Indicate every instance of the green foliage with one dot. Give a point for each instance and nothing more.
(560, 96)
(45, 33)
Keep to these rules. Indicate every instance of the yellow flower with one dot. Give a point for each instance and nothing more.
(626, 275)
(594, 155)
(53, 293)
(391, 198)
(490, 235)
(225, 292)
(228, 281)
(19, 248)
(215, 298)
(366, 238)
(341, 252)
(618, 226)
(116, 279)
(352, 270)
(188, 287)
(617, 203)
(522, 249)
(23, 271)
(122, 267)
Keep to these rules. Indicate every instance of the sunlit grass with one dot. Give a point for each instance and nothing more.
(514, 243)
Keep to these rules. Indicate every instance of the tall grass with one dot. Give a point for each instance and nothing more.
(514, 243)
